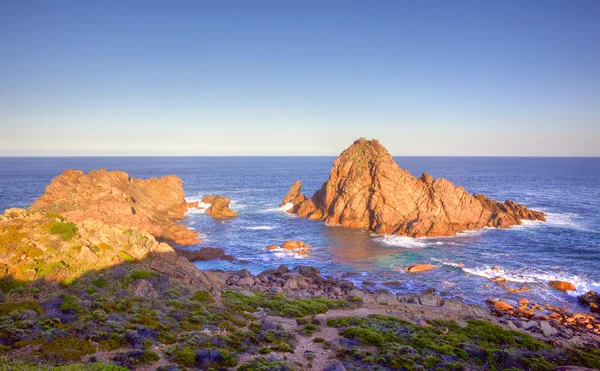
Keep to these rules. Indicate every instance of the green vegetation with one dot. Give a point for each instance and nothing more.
(12, 365)
(66, 230)
(280, 305)
(142, 274)
(127, 257)
(263, 364)
(53, 215)
(446, 345)
(203, 297)
(67, 349)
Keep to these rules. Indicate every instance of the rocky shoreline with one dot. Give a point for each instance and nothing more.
(89, 279)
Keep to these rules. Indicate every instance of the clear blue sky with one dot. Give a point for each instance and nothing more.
(299, 78)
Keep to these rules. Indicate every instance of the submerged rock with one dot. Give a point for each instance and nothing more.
(366, 189)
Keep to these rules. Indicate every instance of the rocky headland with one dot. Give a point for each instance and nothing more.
(114, 198)
(366, 189)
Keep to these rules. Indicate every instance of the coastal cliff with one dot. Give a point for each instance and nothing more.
(113, 197)
(366, 189)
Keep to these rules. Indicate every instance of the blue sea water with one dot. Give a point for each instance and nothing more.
(566, 247)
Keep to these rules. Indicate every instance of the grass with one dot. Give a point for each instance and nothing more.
(446, 345)
(66, 230)
(67, 349)
(281, 305)
(142, 274)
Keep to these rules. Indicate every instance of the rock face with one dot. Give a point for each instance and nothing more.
(366, 189)
(114, 198)
(219, 208)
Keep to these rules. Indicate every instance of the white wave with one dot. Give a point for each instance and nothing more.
(283, 208)
(202, 206)
(535, 276)
(406, 242)
(260, 228)
(421, 242)
(236, 205)
(281, 253)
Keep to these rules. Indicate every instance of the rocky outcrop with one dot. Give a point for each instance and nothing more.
(366, 189)
(591, 299)
(219, 208)
(114, 198)
(204, 253)
(39, 245)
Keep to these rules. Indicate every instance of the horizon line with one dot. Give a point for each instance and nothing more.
(272, 156)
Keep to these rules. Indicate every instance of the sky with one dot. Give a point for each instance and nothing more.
(432, 78)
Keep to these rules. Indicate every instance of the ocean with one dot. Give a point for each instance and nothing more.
(566, 247)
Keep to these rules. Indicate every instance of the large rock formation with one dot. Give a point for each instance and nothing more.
(366, 189)
(113, 197)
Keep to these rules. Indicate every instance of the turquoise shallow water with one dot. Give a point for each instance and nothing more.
(567, 247)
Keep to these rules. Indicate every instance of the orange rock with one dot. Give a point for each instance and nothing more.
(416, 268)
(272, 247)
(503, 306)
(485, 286)
(114, 198)
(208, 199)
(495, 268)
(290, 245)
(562, 285)
(219, 209)
(366, 189)
(498, 279)
(523, 288)
(460, 264)
(524, 302)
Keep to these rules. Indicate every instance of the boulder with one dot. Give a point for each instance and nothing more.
(591, 299)
(562, 285)
(334, 365)
(143, 288)
(416, 268)
(273, 322)
(547, 329)
(219, 208)
(366, 189)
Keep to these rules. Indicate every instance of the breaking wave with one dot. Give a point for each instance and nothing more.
(260, 228)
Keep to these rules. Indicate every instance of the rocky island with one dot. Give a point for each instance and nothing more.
(366, 189)
(89, 282)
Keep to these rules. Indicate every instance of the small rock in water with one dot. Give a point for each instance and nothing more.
(562, 285)
(416, 268)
